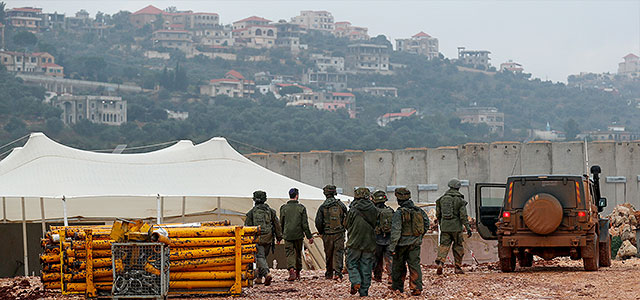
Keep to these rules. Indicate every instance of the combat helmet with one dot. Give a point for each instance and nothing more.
(329, 190)
(379, 196)
(259, 197)
(454, 183)
(362, 193)
(402, 194)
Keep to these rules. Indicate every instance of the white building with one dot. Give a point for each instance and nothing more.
(318, 20)
(420, 43)
(97, 109)
(630, 66)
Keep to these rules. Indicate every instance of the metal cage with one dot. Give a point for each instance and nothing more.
(140, 270)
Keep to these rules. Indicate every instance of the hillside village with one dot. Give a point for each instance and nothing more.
(311, 60)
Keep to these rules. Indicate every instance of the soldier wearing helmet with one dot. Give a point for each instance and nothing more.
(361, 222)
(264, 216)
(451, 213)
(408, 226)
(330, 222)
(382, 260)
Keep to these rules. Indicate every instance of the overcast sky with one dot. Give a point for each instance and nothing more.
(552, 39)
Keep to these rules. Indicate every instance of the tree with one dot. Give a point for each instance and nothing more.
(25, 39)
(571, 129)
(2, 13)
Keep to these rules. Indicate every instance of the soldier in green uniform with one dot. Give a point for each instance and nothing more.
(264, 216)
(295, 226)
(383, 237)
(361, 223)
(451, 212)
(408, 226)
(330, 222)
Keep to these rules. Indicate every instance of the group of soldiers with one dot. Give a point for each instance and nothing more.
(379, 240)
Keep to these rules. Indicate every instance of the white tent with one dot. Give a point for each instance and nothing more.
(190, 179)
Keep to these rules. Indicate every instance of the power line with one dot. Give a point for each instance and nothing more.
(139, 147)
(5, 145)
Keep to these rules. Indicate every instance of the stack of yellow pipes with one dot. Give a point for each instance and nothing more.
(202, 258)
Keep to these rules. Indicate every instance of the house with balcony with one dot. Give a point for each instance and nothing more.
(174, 19)
(478, 59)
(256, 36)
(630, 66)
(173, 39)
(249, 22)
(368, 58)
(379, 91)
(353, 33)
(483, 115)
(511, 66)
(288, 36)
(37, 63)
(96, 109)
(233, 85)
(26, 18)
(315, 20)
(330, 101)
(420, 43)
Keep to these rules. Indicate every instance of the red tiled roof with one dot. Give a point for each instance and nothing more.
(405, 114)
(224, 80)
(39, 53)
(420, 34)
(51, 65)
(253, 18)
(205, 13)
(171, 31)
(630, 55)
(28, 9)
(292, 84)
(343, 94)
(176, 26)
(235, 74)
(149, 10)
(343, 22)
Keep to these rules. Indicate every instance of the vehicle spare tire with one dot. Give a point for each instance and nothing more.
(542, 213)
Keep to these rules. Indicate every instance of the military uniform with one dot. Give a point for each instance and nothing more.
(330, 222)
(264, 216)
(361, 223)
(408, 226)
(295, 226)
(451, 212)
(382, 261)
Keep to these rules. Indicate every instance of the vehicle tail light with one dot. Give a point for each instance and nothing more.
(506, 217)
(582, 216)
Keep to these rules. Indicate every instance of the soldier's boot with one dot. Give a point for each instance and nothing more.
(292, 275)
(439, 269)
(267, 279)
(297, 274)
(416, 292)
(458, 270)
(337, 276)
(258, 280)
(354, 289)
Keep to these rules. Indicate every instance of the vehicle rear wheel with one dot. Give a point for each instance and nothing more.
(508, 264)
(591, 264)
(605, 253)
(525, 260)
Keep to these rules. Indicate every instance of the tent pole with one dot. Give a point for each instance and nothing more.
(24, 239)
(44, 225)
(158, 209)
(184, 205)
(162, 209)
(218, 210)
(64, 210)
(4, 210)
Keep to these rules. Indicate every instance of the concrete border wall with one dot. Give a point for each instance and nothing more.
(475, 162)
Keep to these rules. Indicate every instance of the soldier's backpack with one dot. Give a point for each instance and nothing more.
(447, 209)
(262, 217)
(333, 218)
(384, 222)
(412, 221)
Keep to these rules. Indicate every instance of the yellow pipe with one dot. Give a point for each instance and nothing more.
(97, 273)
(244, 267)
(51, 258)
(203, 242)
(217, 223)
(189, 253)
(208, 275)
(210, 231)
(193, 264)
(77, 287)
(203, 284)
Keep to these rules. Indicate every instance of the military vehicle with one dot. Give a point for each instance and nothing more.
(547, 216)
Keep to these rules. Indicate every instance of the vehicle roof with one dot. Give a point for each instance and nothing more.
(546, 176)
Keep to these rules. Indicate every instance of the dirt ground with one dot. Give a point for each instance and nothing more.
(556, 279)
